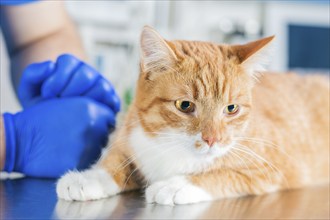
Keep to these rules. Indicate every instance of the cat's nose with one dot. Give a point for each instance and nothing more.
(209, 140)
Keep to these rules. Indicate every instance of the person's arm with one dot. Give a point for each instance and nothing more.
(2, 144)
(37, 32)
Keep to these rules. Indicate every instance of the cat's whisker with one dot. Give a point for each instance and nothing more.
(245, 148)
(131, 174)
(268, 176)
(242, 162)
(260, 140)
(132, 123)
(272, 166)
(118, 138)
(267, 144)
(263, 170)
(110, 148)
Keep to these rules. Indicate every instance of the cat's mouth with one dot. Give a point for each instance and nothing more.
(216, 150)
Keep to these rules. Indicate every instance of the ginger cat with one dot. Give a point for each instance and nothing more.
(201, 128)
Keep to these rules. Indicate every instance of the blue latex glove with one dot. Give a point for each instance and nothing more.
(67, 77)
(57, 135)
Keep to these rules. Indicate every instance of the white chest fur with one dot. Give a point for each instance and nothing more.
(166, 155)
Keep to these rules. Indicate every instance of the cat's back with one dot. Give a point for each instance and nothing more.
(293, 100)
(292, 111)
(292, 93)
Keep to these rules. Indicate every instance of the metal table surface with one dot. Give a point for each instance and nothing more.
(29, 198)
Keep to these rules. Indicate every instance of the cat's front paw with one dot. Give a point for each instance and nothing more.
(175, 191)
(88, 185)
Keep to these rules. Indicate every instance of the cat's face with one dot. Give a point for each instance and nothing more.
(194, 96)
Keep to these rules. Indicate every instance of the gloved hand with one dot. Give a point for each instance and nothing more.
(54, 136)
(67, 77)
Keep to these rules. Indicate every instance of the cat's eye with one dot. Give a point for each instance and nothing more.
(231, 109)
(185, 106)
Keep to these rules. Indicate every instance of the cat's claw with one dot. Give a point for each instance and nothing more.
(175, 191)
(89, 185)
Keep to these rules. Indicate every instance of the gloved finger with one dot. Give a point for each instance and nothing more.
(64, 69)
(32, 79)
(102, 91)
(102, 113)
(96, 137)
(82, 80)
(110, 118)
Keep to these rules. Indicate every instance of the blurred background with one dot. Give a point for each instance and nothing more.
(110, 32)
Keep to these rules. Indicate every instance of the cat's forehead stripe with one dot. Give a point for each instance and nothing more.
(202, 88)
(214, 84)
(195, 90)
(155, 101)
(207, 66)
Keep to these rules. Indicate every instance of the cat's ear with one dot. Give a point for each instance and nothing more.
(254, 56)
(156, 54)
